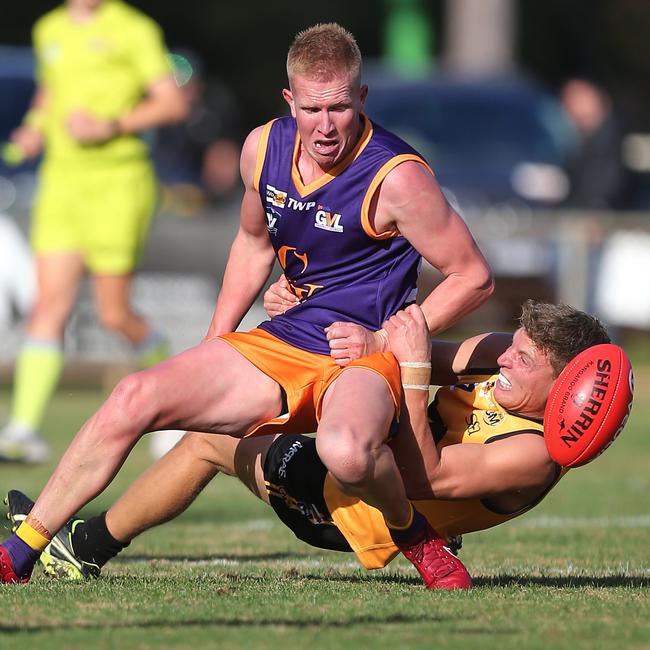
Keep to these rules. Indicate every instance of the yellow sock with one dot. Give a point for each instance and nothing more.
(38, 368)
(32, 537)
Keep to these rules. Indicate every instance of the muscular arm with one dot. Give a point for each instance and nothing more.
(410, 201)
(513, 467)
(251, 255)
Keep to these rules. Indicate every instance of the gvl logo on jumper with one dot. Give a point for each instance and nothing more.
(276, 197)
(326, 220)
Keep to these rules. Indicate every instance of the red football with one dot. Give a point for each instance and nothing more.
(588, 405)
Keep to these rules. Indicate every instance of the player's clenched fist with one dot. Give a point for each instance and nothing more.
(408, 335)
(349, 341)
(278, 298)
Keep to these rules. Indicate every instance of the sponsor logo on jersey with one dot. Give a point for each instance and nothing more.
(283, 251)
(327, 220)
(276, 197)
(272, 217)
(300, 205)
(473, 424)
(486, 392)
(285, 255)
(492, 418)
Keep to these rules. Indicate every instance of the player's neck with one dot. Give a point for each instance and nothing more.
(80, 13)
(308, 168)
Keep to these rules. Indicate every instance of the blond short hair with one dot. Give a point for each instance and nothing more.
(324, 51)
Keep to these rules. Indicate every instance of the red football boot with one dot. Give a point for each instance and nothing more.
(438, 566)
(7, 573)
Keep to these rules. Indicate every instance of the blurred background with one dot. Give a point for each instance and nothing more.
(534, 115)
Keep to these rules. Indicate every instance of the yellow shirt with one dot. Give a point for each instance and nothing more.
(103, 66)
(462, 414)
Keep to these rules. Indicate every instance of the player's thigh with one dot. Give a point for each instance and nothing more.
(119, 217)
(55, 222)
(59, 274)
(58, 278)
(211, 388)
(358, 405)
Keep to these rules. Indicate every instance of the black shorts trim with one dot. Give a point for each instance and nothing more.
(294, 476)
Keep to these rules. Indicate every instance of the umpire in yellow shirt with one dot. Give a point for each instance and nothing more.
(103, 77)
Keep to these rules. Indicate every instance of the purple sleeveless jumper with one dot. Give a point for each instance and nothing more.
(338, 270)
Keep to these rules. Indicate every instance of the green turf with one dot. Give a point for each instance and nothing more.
(573, 573)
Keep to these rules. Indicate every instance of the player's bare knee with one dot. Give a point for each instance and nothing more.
(201, 446)
(49, 311)
(349, 461)
(134, 398)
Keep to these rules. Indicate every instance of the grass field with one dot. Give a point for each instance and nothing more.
(574, 573)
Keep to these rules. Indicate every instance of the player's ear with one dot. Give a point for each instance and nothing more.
(363, 94)
(288, 97)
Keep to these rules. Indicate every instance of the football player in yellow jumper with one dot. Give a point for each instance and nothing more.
(103, 78)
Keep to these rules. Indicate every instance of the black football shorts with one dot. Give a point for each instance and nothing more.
(294, 476)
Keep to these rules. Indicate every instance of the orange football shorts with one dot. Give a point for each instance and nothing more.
(304, 376)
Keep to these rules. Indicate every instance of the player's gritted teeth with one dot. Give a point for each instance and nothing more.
(503, 382)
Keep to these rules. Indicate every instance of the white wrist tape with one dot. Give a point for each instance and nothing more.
(416, 387)
(415, 364)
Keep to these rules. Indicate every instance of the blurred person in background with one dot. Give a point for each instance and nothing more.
(103, 77)
(596, 170)
(197, 160)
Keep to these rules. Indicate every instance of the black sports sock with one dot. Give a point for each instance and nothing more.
(93, 543)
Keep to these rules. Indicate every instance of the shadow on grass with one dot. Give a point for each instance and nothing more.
(557, 582)
(223, 621)
(210, 559)
(334, 574)
(568, 582)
